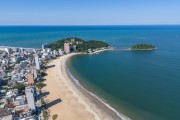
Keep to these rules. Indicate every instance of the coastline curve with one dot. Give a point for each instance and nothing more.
(90, 95)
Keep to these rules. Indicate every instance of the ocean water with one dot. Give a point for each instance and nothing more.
(143, 85)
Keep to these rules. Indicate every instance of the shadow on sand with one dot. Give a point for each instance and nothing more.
(44, 94)
(54, 102)
(50, 66)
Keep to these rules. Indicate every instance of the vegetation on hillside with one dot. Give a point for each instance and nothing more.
(40, 85)
(81, 45)
(143, 47)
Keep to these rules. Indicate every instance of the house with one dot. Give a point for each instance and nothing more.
(44, 46)
(6, 115)
(2, 103)
(24, 114)
(17, 78)
(46, 55)
(20, 100)
(61, 52)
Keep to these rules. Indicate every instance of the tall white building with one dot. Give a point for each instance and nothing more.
(37, 62)
(7, 50)
(66, 48)
(35, 74)
(22, 50)
(30, 95)
(44, 46)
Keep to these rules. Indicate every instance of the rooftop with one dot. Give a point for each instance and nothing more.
(30, 79)
(4, 113)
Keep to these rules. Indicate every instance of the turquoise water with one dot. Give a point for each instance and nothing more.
(144, 85)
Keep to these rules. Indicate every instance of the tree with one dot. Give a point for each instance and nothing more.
(55, 116)
(31, 57)
(81, 45)
(40, 85)
(41, 79)
(19, 86)
(142, 46)
(45, 114)
(43, 74)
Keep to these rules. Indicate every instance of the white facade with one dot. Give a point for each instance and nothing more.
(22, 50)
(30, 95)
(44, 46)
(61, 52)
(49, 50)
(37, 62)
(46, 55)
(7, 50)
(35, 74)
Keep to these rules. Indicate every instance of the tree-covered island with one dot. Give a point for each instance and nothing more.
(79, 45)
(143, 47)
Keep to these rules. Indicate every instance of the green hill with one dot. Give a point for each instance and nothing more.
(143, 47)
(81, 45)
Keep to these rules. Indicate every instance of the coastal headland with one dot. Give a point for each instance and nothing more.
(69, 99)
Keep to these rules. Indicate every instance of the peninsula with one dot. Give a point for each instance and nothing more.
(75, 44)
(143, 47)
(76, 102)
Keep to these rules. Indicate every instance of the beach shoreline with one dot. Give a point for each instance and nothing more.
(94, 107)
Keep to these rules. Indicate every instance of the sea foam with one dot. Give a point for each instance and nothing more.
(120, 115)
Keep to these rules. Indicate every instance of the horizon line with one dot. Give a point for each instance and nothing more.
(98, 25)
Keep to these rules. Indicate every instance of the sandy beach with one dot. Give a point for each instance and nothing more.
(65, 98)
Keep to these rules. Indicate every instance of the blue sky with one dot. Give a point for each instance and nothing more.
(89, 12)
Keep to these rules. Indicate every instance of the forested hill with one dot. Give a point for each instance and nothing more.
(81, 45)
(143, 47)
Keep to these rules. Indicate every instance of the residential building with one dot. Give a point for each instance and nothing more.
(37, 62)
(20, 100)
(35, 74)
(66, 48)
(49, 50)
(8, 50)
(46, 55)
(74, 48)
(72, 39)
(30, 95)
(44, 46)
(61, 52)
(6, 115)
